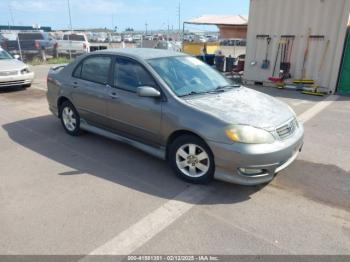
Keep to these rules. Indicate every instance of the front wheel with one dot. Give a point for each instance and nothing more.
(70, 119)
(192, 159)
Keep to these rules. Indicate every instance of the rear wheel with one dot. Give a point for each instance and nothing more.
(192, 159)
(70, 118)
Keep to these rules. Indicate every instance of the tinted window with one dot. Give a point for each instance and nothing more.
(31, 36)
(129, 75)
(74, 37)
(95, 69)
(77, 71)
(4, 55)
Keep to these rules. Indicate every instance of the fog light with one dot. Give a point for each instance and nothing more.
(250, 171)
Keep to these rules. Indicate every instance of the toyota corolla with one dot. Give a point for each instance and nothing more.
(14, 72)
(177, 108)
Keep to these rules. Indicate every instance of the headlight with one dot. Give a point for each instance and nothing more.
(249, 135)
(25, 71)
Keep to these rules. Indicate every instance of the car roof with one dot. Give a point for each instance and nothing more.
(142, 53)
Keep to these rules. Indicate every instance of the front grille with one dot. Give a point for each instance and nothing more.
(12, 83)
(8, 73)
(287, 130)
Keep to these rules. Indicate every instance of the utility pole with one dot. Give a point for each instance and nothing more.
(71, 29)
(13, 24)
(146, 27)
(179, 17)
(11, 13)
(167, 37)
(112, 21)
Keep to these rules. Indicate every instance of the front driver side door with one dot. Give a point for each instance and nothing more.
(131, 115)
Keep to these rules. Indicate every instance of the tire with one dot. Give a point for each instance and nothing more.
(192, 160)
(70, 119)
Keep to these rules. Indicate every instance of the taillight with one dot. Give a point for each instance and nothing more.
(55, 46)
(84, 45)
(36, 44)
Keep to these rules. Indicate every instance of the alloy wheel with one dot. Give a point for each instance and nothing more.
(192, 160)
(69, 119)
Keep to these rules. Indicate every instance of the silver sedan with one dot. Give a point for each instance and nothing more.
(14, 72)
(177, 108)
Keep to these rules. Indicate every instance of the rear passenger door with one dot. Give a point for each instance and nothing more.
(90, 88)
(131, 115)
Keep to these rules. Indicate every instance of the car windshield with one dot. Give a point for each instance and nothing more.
(187, 75)
(4, 55)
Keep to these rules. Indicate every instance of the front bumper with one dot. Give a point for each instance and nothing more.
(16, 80)
(270, 158)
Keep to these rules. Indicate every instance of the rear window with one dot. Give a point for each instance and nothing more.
(30, 36)
(74, 37)
(94, 69)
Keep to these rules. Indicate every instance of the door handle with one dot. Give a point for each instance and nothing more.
(75, 84)
(113, 95)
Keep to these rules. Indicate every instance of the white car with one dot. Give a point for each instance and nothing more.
(73, 43)
(137, 37)
(115, 38)
(14, 72)
(128, 39)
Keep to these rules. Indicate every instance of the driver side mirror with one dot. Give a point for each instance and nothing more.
(16, 57)
(147, 91)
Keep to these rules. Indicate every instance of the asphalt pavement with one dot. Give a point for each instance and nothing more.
(83, 195)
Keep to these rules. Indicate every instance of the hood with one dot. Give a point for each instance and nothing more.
(11, 64)
(244, 106)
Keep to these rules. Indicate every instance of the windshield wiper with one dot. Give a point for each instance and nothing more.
(193, 93)
(227, 86)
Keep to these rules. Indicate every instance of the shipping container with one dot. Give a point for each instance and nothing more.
(325, 20)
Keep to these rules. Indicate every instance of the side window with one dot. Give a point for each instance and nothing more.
(77, 71)
(95, 69)
(129, 75)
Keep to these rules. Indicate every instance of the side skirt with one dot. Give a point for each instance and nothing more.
(157, 152)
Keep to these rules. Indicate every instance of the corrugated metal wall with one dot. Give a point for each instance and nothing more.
(296, 17)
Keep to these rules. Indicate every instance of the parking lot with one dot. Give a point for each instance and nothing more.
(89, 195)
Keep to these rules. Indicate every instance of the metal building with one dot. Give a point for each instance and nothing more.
(294, 25)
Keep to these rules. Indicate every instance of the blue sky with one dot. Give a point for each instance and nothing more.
(125, 13)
